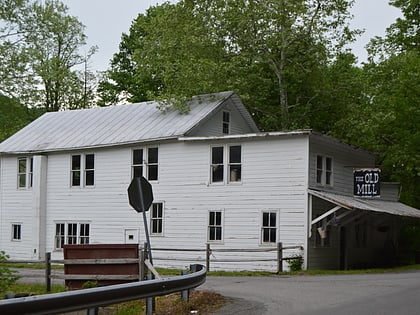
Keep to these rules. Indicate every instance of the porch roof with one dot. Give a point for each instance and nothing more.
(377, 205)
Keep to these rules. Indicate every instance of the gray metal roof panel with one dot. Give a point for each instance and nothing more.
(368, 204)
(105, 126)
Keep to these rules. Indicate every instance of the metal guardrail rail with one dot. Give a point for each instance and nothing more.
(56, 303)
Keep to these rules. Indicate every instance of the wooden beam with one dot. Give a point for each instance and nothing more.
(326, 214)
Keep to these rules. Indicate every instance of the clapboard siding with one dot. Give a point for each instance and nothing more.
(213, 126)
(20, 201)
(345, 158)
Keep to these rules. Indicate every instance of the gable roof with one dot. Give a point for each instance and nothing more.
(116, 125)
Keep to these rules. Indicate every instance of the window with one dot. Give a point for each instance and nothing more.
(233, 165)
(16, 231)
(25, 172)
(269, 227)
(89, 169)
(324, 170)
(226, 123)
(217, 165)
(215, 226)
(82, 170)
(71, 233)
(156, 219)
(145, 162)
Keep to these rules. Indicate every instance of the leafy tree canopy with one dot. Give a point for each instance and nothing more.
(272, 53)
(39, 45)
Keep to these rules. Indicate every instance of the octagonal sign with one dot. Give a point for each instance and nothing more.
(140, 194)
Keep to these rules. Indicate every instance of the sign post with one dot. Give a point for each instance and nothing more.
(140, 197)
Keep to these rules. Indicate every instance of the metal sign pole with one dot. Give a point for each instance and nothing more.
(146, 231)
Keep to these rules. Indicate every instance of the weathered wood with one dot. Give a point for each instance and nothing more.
(95, 261)
(100, 277)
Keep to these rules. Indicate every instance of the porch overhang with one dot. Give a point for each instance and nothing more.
(365, 204)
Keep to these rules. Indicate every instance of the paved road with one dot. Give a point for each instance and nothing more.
(374, 294)
(396, 293)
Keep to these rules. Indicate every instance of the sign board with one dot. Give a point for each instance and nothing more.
(140, 194)
(367, 182)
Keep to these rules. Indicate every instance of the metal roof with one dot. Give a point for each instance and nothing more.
(368, 204)
(114, 125)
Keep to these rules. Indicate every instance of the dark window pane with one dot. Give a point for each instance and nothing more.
(272, 235)
(137, 157)
(153, 172)
(319, 162)
(90, 161)
(211, 218)
(212, 234)
(226, 117)
(218, 218)
(235, 173)
(328, 164)
(75, 162)
(22, 180)
(235, 154)
(217, 173)
(75, 178)
(265, 218)
(22, 165)
(90, 178)
(272, 219)
(217, 155)
(137, 171)
(152, 155)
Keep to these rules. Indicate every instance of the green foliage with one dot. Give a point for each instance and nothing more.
(39, 45)
(387, 118)
(296, 263)
(274, 54)
(7, 276)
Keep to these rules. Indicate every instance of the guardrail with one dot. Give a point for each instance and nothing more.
(57, 303)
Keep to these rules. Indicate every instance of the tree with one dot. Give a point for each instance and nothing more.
(387, 120)
(270, 52)
(39, 45)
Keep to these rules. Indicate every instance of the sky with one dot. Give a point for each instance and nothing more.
(106, 20)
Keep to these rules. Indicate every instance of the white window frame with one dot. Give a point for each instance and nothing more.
(324, 176)
(157, 219)
(26, 174)
(216, 226)
(16, 234)
(146, 164)
(227, 166)
(82, 171)
(269, 227)
(62, 236)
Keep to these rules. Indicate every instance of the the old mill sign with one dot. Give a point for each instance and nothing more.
(367, 182)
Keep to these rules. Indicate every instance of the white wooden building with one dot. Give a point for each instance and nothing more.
(216, 179)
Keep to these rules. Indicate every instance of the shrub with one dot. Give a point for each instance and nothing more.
(7, 276)
(296, 263)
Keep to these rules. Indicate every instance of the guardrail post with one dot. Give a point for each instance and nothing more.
(185, 294)
(48, 272)
(92, 311)
(208, 253)
(279, 257)
(150, 302)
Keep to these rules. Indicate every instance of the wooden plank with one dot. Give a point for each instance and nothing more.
(102, 261)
